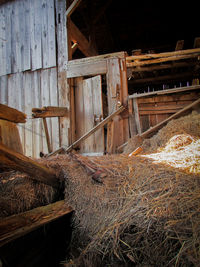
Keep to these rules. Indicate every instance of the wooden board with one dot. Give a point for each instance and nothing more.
(89, 105)
(18, 225)
(9, 136)
(27, 35)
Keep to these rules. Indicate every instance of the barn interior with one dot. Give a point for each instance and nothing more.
(100, 148)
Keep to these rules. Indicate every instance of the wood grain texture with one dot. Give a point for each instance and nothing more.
(14, 226)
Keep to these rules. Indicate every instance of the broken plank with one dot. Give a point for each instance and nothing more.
(46, 112)
(89, 133)
(18, 225)
(137, 117)
(16, 161)
(11, 114)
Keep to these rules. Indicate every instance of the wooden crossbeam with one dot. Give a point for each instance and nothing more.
(11, 114)
(18, 225)
(16, 161)
(72, 7)
(83, 44)
(50, 111)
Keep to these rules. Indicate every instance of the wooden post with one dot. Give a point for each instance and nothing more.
(49, 146)
(18, 225)
(11, 114)
(16, 161)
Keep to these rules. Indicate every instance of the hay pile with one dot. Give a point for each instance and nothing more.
(142, 214)
(18, 193)
(188, 125)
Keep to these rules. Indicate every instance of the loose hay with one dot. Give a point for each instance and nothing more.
(188, 125)
(143, 214)
(18, 193)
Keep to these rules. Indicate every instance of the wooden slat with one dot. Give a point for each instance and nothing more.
(4, 90)
(54, 102)
(98, 113)
(72, 7)
(62, 58)
(168, 91)
(11, 114)
(20, 224)
(165, 54)
(136, 113)
(19, 162)
(50, 111)
(27, 36)
(36, 31)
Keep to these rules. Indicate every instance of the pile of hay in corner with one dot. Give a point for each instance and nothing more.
(18, 193)
(189, 124)
(140, 214)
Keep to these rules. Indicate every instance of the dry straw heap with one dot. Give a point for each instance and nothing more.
(136, 211)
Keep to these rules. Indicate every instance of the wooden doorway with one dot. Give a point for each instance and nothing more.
(88, 113)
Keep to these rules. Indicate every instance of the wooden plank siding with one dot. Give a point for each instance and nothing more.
(27, 36)
(24, 91)
(155, 109)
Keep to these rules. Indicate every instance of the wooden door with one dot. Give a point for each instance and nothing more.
(89, 112)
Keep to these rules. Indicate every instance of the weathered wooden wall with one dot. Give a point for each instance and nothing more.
(150, 110)
(27, 35)
(24, 91)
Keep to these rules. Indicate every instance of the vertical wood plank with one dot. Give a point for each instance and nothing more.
(62, 57)
(51, 34)
(3, 41)
(28, 111)
(89, 114)
(45, 101)
(37, 124)
(27, 35)
(35, 31)
(98, 112)
(137, 117)
(79, 108)
(54, 102)
(45, 46)
(4, 89)
(8, 11)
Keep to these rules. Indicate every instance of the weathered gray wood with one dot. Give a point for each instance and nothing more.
(137, 117)
(3, 40)
(62, 57)
(8, 11)
(4, 90)
(27, 34)
(35, 28)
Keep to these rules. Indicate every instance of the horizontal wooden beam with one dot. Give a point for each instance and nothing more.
(50, 111)
(168, 91)
(72, 7)
(83, 44)
(11, 114)
(16, 161)
(165, 54)
(89, 133)
(90, 65)
(161, 60)
(18, 225)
